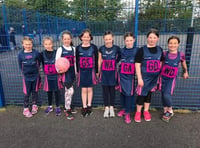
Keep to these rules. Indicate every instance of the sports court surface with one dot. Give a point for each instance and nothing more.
(42, 131)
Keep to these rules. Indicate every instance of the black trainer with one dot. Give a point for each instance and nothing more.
(74, 111)
(84, 112)
(69, 115)
(89, 110)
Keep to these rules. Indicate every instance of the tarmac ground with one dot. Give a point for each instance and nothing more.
(50, 131)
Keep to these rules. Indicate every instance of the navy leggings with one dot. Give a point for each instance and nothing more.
(126, 102)
(109, 95)
(50, 97)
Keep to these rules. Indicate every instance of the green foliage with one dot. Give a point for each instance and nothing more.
(17, 4)
(176, 9)
(95, 10)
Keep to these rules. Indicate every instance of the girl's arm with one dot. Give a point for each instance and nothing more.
(77, 59)
(58, 53)
(42, 59)
(99, 61)
(118, 55)
(96, 58)
(75, 67)
(20, 61)
(139, 74)
(185, 71)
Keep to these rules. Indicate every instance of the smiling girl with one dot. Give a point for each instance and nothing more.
(126, 76)
(148, 64)
(172, 60)
(87, 66)
(108, 58)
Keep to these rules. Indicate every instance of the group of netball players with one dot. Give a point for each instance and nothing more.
(113, 67)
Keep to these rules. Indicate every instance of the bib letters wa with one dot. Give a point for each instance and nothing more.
(108, 65)
(153, 66)
(86, 62)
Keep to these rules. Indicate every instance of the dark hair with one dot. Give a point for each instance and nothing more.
(86, 31)
(154, 31)
(173, 37)
(107, 33)
(129, 34)
(68, 33)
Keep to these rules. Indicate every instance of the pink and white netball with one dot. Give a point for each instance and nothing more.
(62, 65)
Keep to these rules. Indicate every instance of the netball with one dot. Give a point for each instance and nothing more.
(62, 65)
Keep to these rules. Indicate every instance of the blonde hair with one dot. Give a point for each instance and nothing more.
(47, 38)
(27, 38)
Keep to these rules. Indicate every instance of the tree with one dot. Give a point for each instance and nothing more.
(97, 10)
(51, 7)
(17, 4)
(164, 15)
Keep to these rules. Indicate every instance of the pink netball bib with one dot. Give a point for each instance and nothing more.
(127, 68)
(153, 66)
(50, 69)
(86, 62)
(170, 72)
(71, 60)
(108, 65)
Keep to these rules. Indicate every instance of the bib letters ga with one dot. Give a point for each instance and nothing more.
(169, 71)
(50, 69)
(153, 66)
(108, 65)
(86, 62)
(127, 68)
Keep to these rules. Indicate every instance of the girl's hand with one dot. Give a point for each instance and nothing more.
(185, 75)
(140, 82)
(97, 75)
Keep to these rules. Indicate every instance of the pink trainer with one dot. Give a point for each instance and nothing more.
(34, 109)
(127, 118)
(27, 113)
(147, 116)
(121, 113)
(138, 117)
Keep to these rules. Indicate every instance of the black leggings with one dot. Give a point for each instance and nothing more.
(50, 97)
(34, 98)
(144, 99)
(109, 95)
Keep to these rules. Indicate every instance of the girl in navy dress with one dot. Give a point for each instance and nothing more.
(148, 65)
(108, 58)
(29, 63)
(67, 50)
(87, 69)
(126, 76)
(51, 76)
(172, 60)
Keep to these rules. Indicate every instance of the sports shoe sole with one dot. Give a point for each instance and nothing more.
(167, 120)
(147, 120)
(127, 122)
(28, 116)
(58, 114)
(70, 118)
(106, 116)
(137, 121)
(49, 112)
